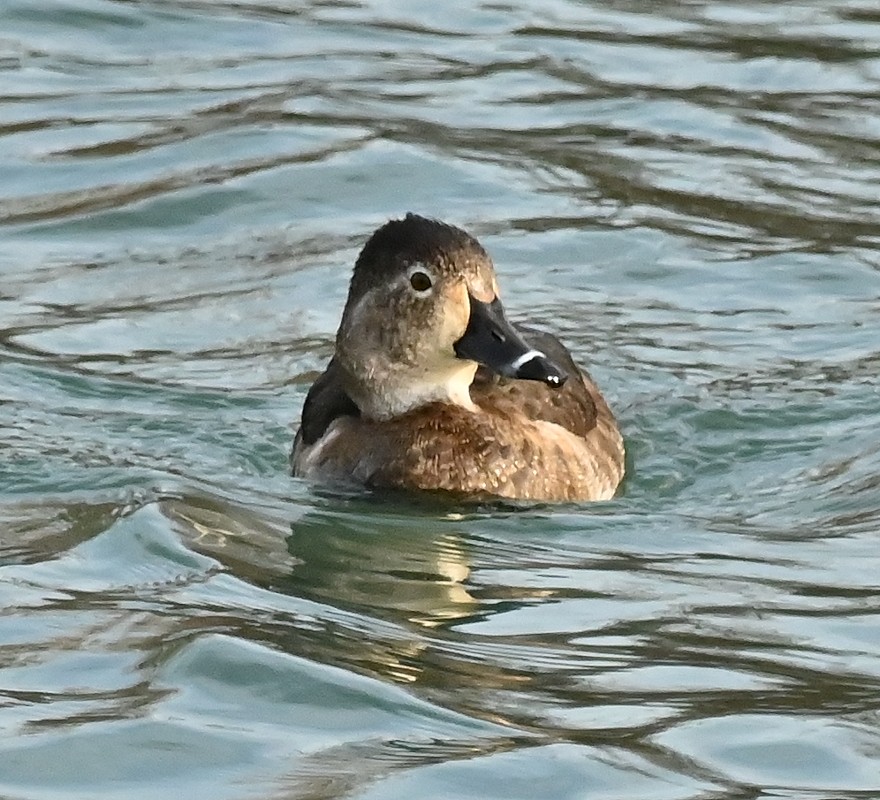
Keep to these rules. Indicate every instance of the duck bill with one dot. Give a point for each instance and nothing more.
(491, 340)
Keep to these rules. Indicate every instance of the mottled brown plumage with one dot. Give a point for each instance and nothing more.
(400, 406)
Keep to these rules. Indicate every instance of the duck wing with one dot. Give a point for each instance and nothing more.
(325, 402)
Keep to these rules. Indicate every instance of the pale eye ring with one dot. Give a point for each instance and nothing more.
(420, 281)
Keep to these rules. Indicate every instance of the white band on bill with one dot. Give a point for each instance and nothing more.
(525, 358)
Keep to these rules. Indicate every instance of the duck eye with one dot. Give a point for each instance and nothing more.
(420, 281)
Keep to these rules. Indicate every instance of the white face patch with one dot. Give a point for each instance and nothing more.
(525, 358)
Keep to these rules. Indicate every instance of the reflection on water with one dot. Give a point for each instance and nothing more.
(686, 193)
(356, 564)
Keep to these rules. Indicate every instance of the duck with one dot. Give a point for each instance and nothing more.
(432, 389)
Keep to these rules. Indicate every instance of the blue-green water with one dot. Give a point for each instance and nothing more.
(686, 192)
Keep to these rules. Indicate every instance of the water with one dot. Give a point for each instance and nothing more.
(687, 193)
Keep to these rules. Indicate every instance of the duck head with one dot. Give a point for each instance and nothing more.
(423, 311)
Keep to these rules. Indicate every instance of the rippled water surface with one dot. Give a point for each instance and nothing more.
(685, 192)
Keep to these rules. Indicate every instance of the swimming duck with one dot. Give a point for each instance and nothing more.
(432, 388)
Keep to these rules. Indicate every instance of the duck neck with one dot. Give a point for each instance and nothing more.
(390, 391)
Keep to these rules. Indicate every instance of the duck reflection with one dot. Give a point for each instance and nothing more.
(370, 557)
(405, 562)
(380, 585)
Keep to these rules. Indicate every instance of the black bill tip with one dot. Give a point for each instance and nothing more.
(492, 341)
(535, 366)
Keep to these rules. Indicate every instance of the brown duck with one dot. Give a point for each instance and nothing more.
(431, 388)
